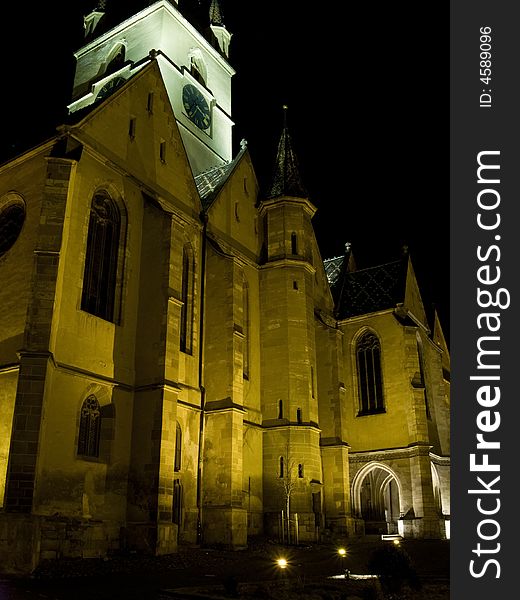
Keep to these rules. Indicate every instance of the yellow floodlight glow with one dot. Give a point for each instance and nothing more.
(282, 563)
(397, 542)
(342, 552)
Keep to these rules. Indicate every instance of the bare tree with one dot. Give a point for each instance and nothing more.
(287, 482)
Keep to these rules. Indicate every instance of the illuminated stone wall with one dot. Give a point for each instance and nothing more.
(193, 432)
(25, 179)
(416, 414)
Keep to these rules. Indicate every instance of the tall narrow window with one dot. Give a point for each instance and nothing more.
(245, 329)
(131, 128)
(282, 473)
(89, 428)
(300, 471)
(177, 502)
(149, 103)
(280, 409)
(312, 382)
(370, 381)
(162, 151)
(294, 243)
(298, 415)
(423, 378)
(187, 301)
(178, 449)
(99, 279)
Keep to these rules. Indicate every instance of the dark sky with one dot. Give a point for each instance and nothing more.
(367, 90)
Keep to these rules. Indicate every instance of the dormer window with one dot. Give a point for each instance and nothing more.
(90, 21)
(198, 67)
(116, 59)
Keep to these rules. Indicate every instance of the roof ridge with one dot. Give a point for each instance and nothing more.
(333, 258)
(392, 262)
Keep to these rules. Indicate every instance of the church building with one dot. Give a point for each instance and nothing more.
(178, 363)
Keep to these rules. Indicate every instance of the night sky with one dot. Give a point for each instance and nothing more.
(367, 90)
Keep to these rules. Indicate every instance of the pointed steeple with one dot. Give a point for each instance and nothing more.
(286, 179)
(215, 13)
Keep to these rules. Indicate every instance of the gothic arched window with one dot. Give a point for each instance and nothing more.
(187, 300)
(12, 217)
(100, 276)
(89, 428)
(420, 353)
(245, 329)
(370, 380)
(177, 463)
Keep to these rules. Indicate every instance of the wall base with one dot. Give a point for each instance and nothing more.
(427, 528)
(224, 526)
(26, 540)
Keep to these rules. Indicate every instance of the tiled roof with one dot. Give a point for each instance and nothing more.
(210, 182)
(367, 290)
(333, 269)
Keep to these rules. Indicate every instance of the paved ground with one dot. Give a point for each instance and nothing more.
(147, 578)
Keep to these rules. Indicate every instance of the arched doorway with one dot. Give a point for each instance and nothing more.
(376, 497)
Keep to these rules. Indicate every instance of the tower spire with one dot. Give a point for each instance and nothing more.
(215, 13)
(286, 179)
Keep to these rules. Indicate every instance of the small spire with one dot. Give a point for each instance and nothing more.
(286, 179)
(216, 16)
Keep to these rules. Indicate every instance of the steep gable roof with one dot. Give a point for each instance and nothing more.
(105, 126)
(210, 182)
(382, 287)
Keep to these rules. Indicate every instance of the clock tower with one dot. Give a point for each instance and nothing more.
(194, 67)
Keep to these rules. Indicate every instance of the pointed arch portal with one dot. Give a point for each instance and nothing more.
(376, 497)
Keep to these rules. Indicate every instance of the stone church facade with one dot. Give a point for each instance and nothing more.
(178, 365)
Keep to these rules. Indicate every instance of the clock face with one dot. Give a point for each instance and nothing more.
(196, 106)
(109, 87)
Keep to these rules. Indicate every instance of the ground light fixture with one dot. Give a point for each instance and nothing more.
(282, 563)
(342, 552)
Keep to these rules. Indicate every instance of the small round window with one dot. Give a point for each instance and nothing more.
(12, 217)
